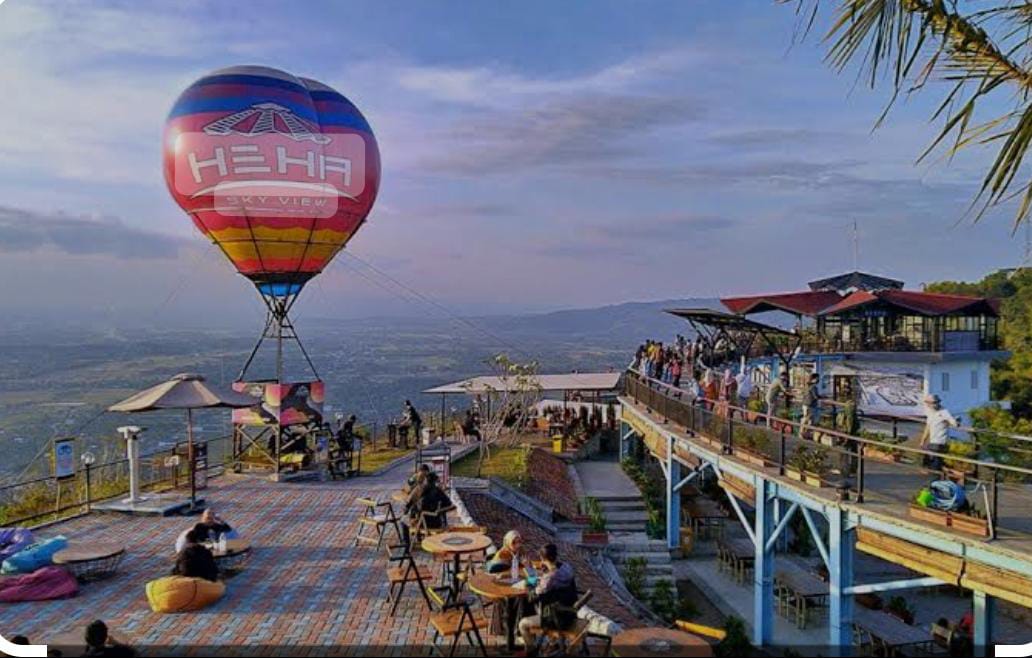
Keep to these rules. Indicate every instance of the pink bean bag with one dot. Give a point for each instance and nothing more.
(40, 585)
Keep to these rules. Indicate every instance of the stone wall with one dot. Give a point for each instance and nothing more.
(550, 481)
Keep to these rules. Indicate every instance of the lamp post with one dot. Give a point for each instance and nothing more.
(87, 460)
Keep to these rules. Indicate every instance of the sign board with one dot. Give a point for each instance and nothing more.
(64, 458)
(886, 389)
(281, 404)
(200, 453)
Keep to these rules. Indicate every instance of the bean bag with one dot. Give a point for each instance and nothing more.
(40, 585)
(13, 540)
(183, 594)
(34, 557)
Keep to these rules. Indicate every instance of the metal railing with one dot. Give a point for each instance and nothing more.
(768, 440)
(47, 499)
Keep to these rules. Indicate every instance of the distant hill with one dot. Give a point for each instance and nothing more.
(626, 323)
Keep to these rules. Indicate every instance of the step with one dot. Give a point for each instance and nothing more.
(647, 546)
(666, 570)
(617, 499)
(626, 527)
(640, 518)
(650, 558)
(622, 504)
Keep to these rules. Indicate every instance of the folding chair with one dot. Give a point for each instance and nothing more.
(406, 571)
(564, 642)
(454, 621)
(379, 522)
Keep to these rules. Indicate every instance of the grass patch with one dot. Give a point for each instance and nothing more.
(380, 457)
(507, 464)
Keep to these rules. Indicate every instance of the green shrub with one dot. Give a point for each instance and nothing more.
(736, 641)
(663, 601)
(634, 576)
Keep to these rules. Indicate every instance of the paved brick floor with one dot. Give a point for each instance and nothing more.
(305, 585)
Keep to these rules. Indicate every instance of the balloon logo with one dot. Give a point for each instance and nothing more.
(278, 171)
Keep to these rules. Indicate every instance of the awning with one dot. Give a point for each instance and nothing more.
(725, 321)
(590, 381)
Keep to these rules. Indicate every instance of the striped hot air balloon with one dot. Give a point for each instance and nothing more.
(278, 171)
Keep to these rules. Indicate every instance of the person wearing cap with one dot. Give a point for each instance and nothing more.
(936, 433)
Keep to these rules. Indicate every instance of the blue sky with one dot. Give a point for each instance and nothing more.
(536, 155)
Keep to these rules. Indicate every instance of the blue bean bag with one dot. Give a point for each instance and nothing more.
(14, 540)
(34, 557)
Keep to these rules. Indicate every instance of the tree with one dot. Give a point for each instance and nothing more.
(508, 404)
(1011, 379)
(980, 53)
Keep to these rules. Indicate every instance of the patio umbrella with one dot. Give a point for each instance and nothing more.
(184, 391)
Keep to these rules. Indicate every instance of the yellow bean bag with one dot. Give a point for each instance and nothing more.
(182, 594)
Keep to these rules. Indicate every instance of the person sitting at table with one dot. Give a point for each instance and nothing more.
(196, 560)
(99, 643)
(512, 548)
(209, 529)
(554, 596)
(427, 498)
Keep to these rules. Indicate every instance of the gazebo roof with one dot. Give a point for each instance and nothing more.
(856, 280)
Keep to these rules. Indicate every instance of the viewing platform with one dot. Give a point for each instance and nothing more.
(866, 508)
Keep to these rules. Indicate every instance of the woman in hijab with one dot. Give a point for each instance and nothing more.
(512, 548)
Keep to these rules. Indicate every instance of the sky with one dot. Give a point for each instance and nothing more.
(536, 156)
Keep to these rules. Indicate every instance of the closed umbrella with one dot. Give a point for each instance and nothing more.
(184, 391)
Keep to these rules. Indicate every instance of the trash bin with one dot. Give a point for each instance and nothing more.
(557, 443)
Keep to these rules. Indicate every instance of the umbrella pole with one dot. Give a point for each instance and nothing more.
(190, 459)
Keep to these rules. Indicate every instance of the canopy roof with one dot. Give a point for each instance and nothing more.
(809, 302)
(725, 321)
(851, 281)
(921, 303)
(589, 381)
(184, 391)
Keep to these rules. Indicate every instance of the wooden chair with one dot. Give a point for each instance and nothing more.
(565, 642)
(379, 522)
(863, 641)
(421, 528)
(404, 571)
(455, 620)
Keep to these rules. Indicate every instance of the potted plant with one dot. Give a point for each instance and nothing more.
(807, 465)
(595, 534)
(920, 510)
(972, 522)
(750, 444)
(754, 409)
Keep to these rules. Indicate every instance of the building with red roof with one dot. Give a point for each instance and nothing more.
(896, 344)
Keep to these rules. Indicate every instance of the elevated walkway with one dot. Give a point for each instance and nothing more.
(867, 512)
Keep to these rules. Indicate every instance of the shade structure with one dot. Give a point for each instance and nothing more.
(588, 381)
(184, 391)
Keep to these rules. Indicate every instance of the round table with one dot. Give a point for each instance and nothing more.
(233, 558)
(456, 544)
(90, 560)
(649, 642)
(499, 587)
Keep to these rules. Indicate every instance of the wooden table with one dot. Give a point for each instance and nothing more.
(890, 633)
(704, 513)
(798, 591)
(737, 555)
(456, 544)
(90, 560)
(650, 642)
(499, 587)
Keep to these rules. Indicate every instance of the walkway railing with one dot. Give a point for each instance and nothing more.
(49, 499)
(776, 443)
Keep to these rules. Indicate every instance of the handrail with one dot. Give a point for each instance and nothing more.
(836, 433)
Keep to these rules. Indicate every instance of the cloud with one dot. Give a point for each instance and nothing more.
(24, 231)
(572, 132)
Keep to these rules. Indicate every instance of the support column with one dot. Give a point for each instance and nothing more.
(984, 615)
(625, 438)
(763, 571)
(673, 508)
(841, 541)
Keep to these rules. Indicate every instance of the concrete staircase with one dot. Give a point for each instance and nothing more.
(624, 514)
(658, 565)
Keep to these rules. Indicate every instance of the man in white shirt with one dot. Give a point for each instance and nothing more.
(936, 433)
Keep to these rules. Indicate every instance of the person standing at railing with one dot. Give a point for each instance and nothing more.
(776, 390)
(710, 388)
(936, 433)
(675, 373)
(812, 402)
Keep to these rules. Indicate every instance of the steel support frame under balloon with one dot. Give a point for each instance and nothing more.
(278, 327)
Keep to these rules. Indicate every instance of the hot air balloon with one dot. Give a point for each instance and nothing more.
(278, 171)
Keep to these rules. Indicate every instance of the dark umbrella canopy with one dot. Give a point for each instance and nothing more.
(184, 391)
